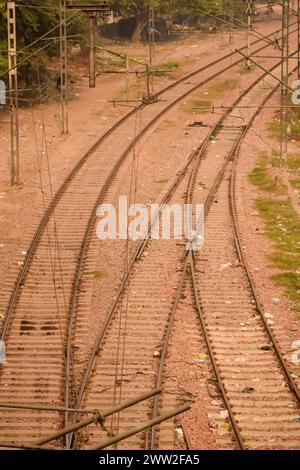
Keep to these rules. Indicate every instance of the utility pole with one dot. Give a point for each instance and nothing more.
(298, 39)
(231, 12)
(148, 84)
(151, 31)
(270, 7)
(63, 68)
(249, 16)
(13, 93)
(284, 78)
(93, 21)
(92, 11)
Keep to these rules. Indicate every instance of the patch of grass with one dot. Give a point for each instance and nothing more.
(283, 227)
(164, 70)
(295, 183)
(203, 103)
(294, 161)
(285, 261)
(198, 106)
(162, 181)
(220, 89)
(246, 70)
(165, 125)
(282, 224)
(273, 129)
(291, 282)
(260, 177)
(96, 274)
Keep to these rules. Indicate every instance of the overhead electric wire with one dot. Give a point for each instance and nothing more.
(36, 41)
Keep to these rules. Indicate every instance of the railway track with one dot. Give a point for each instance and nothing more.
(140, 326)
(39, 322)
(259, 392)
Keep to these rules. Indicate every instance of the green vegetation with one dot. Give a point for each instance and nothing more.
(295, 183)
(291, 282)
(282, 226)
(34, 19)
(246, 70)
(204, 103)
(165, 125)
(98, 275)
(294, 161)
(162, 181)
(260, 177)
(274, 130)
(164, 70)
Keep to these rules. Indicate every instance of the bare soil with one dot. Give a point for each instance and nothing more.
(91, 113)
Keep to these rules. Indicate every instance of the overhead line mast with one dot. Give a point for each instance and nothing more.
(249, 17)
(284, 79)
(92, 10)
(63, 68)
(13, 93)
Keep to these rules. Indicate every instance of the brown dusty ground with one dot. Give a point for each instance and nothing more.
(90, 116)
(284, 321)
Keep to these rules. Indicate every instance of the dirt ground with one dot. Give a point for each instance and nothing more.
(283, 320)
(90, 114)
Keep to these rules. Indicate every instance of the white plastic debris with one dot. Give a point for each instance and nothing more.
(268, 315)
(224, 414)
(2, 353)
(179, 432)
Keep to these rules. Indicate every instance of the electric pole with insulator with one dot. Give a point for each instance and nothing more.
(63, 68)
(284, 79)
(92, 11)
(13, 93)
(249, 17)
(151, 31)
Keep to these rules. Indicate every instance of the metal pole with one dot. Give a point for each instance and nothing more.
(231, 12)
(142, 427)
(151, 28)
(249, 16)
(298, 38)
(148, 82)
(97, 417)
(284, 79)
(92, 18)
(13, 93)
(63, 68)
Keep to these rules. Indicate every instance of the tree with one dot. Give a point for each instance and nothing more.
(34, 19)
(189, 8)
(139, 9)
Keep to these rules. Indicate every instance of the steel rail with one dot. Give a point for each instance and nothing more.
(189, 260)
(291, 382)
(51, 208)
(85, 244)
(195, 156)
(81, 162)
